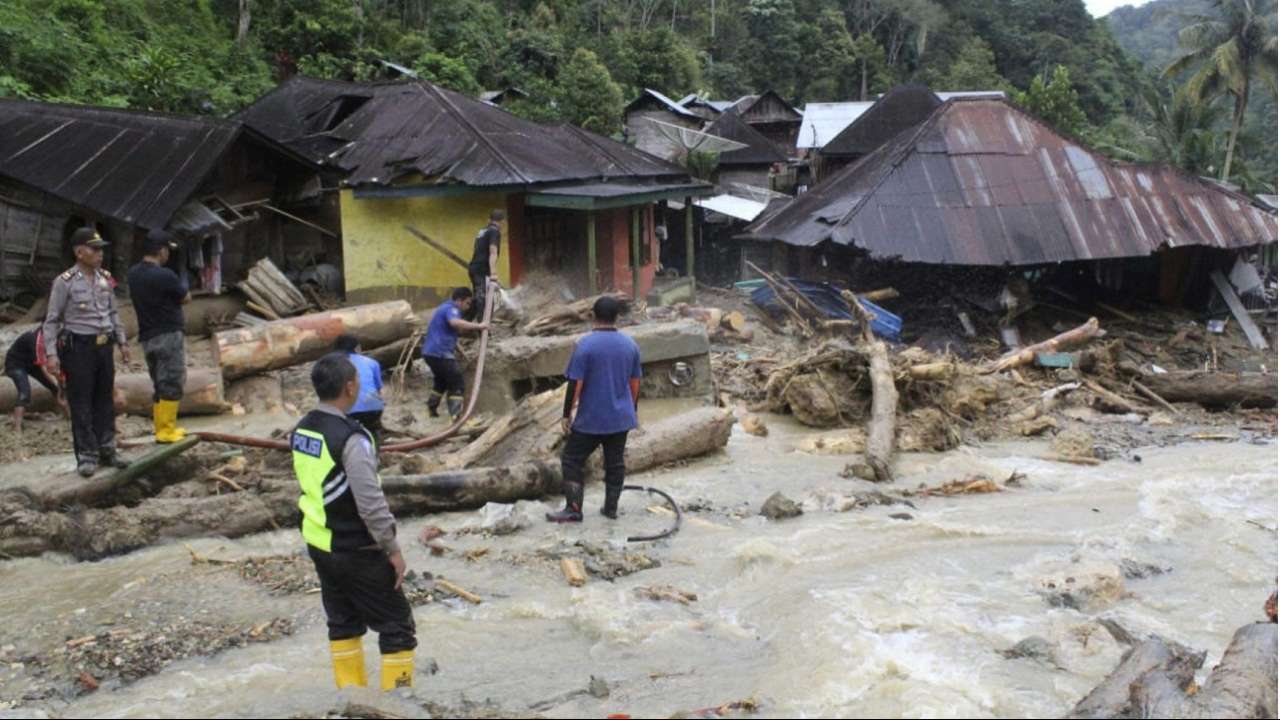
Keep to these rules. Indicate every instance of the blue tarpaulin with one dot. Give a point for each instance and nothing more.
(827, 299)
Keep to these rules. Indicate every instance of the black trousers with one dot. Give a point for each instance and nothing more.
(91, 377)
(478, 283)
(358, 590)
(372, 421)
(579, 446)
(446, 377)
(21, 377)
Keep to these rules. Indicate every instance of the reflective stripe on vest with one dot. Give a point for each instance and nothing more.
(313, 465)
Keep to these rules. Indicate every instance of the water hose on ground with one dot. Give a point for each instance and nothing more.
(675, 527)
(420, 443)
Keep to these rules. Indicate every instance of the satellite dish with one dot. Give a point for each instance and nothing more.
(687, 140)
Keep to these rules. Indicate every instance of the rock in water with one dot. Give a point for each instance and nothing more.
(779, 507)
(1033, 648)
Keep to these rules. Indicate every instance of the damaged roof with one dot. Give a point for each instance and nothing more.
(759, 149)
(666, 103)
(900, 108)
(136, 167)
(381, 133)
(981, 182)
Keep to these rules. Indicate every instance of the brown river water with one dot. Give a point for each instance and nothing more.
(831, 614)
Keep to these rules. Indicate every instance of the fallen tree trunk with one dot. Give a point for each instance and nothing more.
(94, 492)
(26, 530)
(282, 343)
(1215, 390)
(1069, 339)
(202, 395)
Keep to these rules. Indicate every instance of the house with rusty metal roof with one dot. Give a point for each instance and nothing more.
(980, 182)
(221, 185)
(417, 160)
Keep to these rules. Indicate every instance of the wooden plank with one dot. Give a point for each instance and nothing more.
(437, 246)
(1238, 311)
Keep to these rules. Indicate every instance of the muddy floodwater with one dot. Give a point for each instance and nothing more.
(880, 611)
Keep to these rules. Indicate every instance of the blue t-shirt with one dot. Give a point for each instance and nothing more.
(441, 337)
(370, 374)
(604, 364)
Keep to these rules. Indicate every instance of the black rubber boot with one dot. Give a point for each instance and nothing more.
(433, 405)
(572, 512)
(610, 507)
(455, 407)
(111, 458)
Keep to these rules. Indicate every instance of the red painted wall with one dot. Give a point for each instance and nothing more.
(613, 250)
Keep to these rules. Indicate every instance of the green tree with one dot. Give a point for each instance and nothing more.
(973, 68)
(872, 70)
(834, 59)
(587, 96)
(776, 36)
(1228, 53)
(1055, 102)
(449, 72)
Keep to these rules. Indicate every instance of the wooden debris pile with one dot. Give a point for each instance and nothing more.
(270, 294)
(572, 318)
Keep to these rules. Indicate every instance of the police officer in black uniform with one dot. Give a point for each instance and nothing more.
(81, 330)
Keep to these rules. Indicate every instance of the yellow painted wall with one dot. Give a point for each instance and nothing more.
(381, 260)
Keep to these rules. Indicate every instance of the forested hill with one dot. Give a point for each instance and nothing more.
(1150, 32)
(580, 60)
(184, 54)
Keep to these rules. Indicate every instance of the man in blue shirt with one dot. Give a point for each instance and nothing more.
(604, 384)
(368, 407)
(438, 348)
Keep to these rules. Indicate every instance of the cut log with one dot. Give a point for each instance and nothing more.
(932, 371)
(94, 492)
(679, 437)
(884, 411)
(880, 295)
(1069, 339)
(273, 345)
(1111, 698)
(1214, 390)
(203, 394)
(1243, 684)
(734, 321)
(467, 595)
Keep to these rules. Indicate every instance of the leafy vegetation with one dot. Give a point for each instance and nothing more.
(579, 60)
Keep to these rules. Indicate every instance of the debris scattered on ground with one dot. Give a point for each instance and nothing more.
(972, 485)
(666, 593)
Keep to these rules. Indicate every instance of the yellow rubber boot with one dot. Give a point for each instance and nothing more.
(348, 662)
(397, 670)
(166, 421)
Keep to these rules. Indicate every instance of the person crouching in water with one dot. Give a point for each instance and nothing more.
(438, 351)
(368, 408)
(604, 384)
(350, 532)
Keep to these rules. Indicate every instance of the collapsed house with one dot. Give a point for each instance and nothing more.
(230, 193)
(980, 183)
(419, 161)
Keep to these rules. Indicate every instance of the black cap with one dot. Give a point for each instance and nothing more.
(87, 236)
(157, 239)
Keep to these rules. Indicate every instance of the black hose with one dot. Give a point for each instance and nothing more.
(670, 501)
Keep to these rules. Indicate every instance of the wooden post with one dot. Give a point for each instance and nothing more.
(635, 252)
(688, 235)
(591, 252)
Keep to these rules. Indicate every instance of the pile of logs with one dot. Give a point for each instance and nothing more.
(721, 325)
(31, 523)
(572, 318)
(270, 293)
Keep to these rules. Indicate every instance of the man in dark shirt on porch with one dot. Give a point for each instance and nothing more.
(484, 259)
(604, 383)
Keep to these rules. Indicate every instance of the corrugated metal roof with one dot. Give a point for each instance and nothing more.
(759, 149)
(380, 133)
(896, 110)
(733, 206)
(945, 95)
(823, 121)
(665, 102)
(980, 182)
(133, 166)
